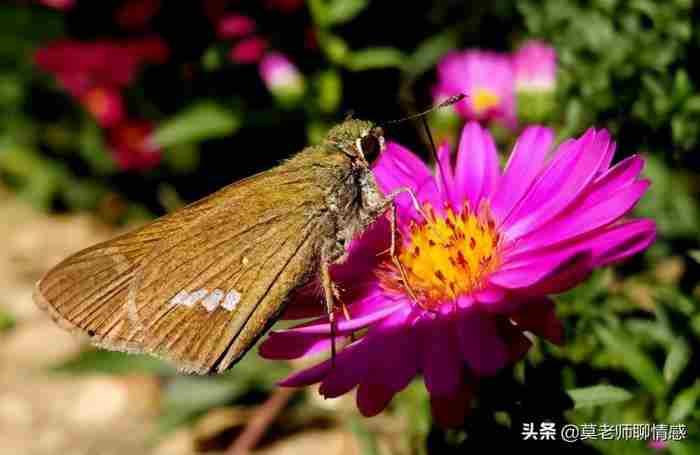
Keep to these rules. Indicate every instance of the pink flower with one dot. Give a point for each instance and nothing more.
(535, 66)
(235, 26)
(658, 445)
(281, 76)
(481, 264)
(487, 80)
(96, 72)
(248, 50)
(58, 4)
(134, 14)
(284, 6)
(131, 146)
(105, 104)
(81, 66)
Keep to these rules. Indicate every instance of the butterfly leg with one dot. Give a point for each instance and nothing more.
(414, 200)
(394, 257)
(330, 254)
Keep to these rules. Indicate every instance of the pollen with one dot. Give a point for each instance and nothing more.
(484, 99)
(446, 256)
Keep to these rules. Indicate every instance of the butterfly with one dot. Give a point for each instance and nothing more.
(199, 286)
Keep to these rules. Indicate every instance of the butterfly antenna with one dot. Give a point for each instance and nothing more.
(430, 138)
(448, 102)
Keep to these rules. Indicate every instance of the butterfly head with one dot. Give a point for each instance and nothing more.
(359, 139)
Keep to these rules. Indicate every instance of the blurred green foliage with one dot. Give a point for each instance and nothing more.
(624, 64)
(633, 332)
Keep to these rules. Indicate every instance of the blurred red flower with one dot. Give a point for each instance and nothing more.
(131, 146)
(249, 50)
(105, 104)
(58, 4)
(285, 6)
(96, 72)
(134, 14)
(235, 26)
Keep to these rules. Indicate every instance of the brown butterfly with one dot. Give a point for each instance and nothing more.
(199, 286)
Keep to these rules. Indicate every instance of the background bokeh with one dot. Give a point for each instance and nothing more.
(114, 112)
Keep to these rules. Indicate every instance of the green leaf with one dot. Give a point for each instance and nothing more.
(93, 149)
(192, 394)
(695, 254)
(374, 57)
(182, 158)
(366, 438)
(429, 52)
(113, 363)
(327, 13)
(676, 361)
(598, 395)
(334, 47)
(330, 91)
(633, 360)
(684, 403)
(204, 120)
(7, 321)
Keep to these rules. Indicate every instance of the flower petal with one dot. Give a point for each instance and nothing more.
(539, 317)
(530, 270)
(523, 166)
(442, 362)
(482, 347)
(397, 167)
(372, 398)
(516, 342)
(477, 172)
(392, 363)
(444, 177)
(351, 368)
(321, 326)
(569, 173)
(450, 411)
(607, 158)
(622, 241)
(287, 346)
(307, 376)
(595, 211)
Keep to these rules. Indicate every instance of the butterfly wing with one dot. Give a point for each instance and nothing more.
(199, 286)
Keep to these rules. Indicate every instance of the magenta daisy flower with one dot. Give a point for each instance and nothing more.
(487, 79)
(535, 66)
(281, 77)
(481, 261)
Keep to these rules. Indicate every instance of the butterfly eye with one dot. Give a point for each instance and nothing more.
(371, 146)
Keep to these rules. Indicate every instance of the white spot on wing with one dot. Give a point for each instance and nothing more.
(179, 298)
(232, 299)
(213, 299)
(195, 297)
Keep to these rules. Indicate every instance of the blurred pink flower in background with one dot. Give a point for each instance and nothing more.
(235, 26)
(281, 77)
(481, 265)
(131, 146)
(486, 78)
(285, 6)
(58, 4)
(96, 72)
(105, 104)
(657, 445)
(248, 50)
(134, 14)
(535, 66)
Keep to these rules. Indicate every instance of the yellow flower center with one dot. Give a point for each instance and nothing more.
(484, 99)
(446, 256)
